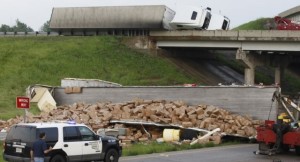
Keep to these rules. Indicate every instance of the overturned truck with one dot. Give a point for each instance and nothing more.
(115, 20)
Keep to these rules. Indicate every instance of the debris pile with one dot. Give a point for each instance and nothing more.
(98, 116)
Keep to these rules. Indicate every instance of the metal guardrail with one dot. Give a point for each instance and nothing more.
(114, 32)
(15, 34)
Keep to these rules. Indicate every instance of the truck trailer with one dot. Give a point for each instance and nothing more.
(152, 17)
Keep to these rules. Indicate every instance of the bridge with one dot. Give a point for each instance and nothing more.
(254, 47)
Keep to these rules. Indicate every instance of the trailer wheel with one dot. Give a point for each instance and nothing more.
(297, 148)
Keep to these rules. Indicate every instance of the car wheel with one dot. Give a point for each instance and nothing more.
(58, 158)
(111, 156)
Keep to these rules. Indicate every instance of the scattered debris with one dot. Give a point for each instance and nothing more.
(42, 95)
(141, 120)
(80, 82)
(205, 137)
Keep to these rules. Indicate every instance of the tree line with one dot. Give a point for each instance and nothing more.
(22, 27)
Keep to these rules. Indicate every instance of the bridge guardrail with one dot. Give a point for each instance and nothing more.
(13, 34)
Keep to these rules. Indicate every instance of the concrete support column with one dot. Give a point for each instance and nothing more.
(249, 76)
(280, 62)
(277, 75)
(250, 62)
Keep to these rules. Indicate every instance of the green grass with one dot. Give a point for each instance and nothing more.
(150, 148)
(258, 24)
(27, 61)
(292, 84)
(154, 147)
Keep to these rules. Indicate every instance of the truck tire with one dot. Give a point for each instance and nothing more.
(111, 156)
(58, 158)
(285, 148)
(297, 148)
(264, 149)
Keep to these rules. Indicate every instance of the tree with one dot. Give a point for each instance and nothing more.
(5, 28)
(21, 27)
(46, 27)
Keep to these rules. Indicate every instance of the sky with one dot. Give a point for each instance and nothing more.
(35, 13)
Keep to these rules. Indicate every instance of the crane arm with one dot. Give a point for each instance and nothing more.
(284, 101)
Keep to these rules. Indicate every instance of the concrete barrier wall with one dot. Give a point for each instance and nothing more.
(253, 101)
(230, 35)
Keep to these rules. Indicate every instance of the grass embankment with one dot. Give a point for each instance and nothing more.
(27, 61)
(258, 24)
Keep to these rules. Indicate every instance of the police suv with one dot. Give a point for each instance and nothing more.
(70, 142)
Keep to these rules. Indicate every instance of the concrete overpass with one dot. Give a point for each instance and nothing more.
(251, 46)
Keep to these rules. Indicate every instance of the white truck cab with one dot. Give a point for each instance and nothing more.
(218, 22)
(191, 18)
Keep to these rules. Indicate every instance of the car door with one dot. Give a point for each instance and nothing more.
(72, 143)
(91, 144)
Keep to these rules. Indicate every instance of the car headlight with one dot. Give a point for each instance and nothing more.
(111, 141)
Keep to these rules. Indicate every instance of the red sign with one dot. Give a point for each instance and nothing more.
(22, 102)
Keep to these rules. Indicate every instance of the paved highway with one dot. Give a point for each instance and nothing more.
(237, 153)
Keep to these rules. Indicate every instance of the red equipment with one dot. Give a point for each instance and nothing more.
(286, 24)
(280, 136)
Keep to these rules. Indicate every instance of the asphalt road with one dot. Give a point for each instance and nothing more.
(236, 153)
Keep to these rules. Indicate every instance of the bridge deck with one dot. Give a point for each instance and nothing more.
(261, 40)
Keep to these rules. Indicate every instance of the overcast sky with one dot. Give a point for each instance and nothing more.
(35, 13)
